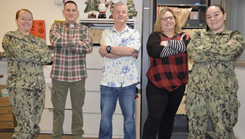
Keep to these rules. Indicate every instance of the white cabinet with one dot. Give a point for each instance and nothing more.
(91, 123)
(94, 60)
(91, 108)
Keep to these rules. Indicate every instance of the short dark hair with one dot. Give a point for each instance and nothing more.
(18, 12)
(220, 7)
(70, 2)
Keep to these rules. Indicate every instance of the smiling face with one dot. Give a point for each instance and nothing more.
(120, 14)
(24, 22)
(70, 13)
(215, 19)
(167, 22)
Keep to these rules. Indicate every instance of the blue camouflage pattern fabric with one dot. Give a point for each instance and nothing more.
(212, 86)
(25, 82)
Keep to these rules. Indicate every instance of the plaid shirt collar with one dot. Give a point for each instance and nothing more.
(68, 25)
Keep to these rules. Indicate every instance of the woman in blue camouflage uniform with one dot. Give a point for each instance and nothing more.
(26, 55)
(212, 86)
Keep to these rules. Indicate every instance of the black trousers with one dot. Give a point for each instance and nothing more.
(162, 108)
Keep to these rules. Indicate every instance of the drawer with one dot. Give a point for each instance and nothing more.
(91, 103)
(94, 59)
(46, 121)
(91, 123)
(48, 80)
(93, 80)
(46, 71)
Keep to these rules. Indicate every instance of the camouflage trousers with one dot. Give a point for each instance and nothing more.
(27, 106)
(222, 108)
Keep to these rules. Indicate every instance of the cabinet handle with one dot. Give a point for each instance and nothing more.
(50, 109)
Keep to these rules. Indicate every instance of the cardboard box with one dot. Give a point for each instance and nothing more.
(7, 121)
(7, 117)
(5, 110)
(194, 16)
(7, 125)
(4, 102)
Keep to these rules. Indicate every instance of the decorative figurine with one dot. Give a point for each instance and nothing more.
(102, 9)
(131, 9)
(91, 7)
(111, 4)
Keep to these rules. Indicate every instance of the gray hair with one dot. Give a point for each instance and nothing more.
(119, 3)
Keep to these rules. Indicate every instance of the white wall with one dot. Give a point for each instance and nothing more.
(45, 10)
(240, 126)
(48, 11)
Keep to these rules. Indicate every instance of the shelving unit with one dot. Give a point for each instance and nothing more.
(200, 8)
(104, 23)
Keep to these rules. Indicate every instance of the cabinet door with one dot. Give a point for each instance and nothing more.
(46, 72)
(93, 80)
(94, 59)
(91, 123)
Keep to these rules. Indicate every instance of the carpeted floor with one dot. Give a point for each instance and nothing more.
(8, 135)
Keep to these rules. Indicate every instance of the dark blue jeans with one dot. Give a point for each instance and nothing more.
(162, 107)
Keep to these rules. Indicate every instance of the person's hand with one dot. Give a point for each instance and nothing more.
(135, 54)
(164, 43)
(230, 42)
(102, 50)
(200, 47)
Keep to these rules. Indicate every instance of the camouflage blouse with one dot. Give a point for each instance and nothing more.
(25, 56)
(214, 57)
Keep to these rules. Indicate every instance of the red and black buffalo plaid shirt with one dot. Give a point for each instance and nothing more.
(168, 72)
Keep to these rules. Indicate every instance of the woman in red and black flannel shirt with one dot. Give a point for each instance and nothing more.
(167, 75)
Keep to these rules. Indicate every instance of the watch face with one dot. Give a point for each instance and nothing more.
(108, 48)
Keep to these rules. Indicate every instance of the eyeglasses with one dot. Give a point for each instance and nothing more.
(166, 18)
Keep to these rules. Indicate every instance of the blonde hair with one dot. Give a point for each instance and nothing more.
(157, 26)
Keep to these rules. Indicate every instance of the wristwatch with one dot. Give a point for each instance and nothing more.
(108, 49)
